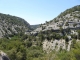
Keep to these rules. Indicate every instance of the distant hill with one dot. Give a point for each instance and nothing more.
(35, 26)
(11, 25)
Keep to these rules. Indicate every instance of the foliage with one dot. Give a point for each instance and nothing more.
(19, 49)
(29, 48)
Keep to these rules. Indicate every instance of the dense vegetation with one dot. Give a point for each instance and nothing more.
(25, 47)
(19, 49)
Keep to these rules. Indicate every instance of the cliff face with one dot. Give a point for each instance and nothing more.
(11, 25)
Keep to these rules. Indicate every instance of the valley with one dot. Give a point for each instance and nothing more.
(57, 39)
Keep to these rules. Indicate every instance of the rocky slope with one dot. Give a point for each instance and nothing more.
(60, 32)
(67, 19)
(11, 25)
(56, 45)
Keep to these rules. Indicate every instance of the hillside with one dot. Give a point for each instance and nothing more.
(67, 19)
(60, 32)
(12, 25)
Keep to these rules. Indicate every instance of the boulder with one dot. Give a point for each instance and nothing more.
(3, 56)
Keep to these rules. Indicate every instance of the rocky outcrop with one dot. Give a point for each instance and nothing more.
(3, 56)
(56, 45)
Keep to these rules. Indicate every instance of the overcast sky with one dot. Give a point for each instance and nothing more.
(36, 11)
